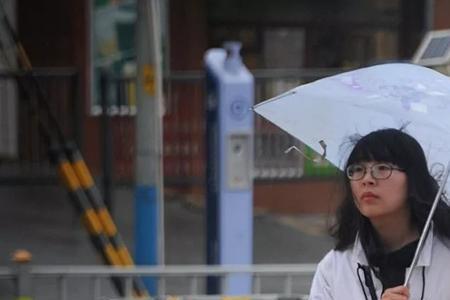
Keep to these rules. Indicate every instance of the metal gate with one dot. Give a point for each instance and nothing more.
(27, 158)
(184, 125)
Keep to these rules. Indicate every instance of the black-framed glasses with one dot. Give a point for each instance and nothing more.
(378, 171)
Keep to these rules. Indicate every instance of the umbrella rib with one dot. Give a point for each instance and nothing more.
(316, 160)
(288, 93)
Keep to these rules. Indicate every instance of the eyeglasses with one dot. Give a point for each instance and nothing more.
(378, 171)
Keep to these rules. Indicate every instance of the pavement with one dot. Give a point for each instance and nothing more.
(42, 220)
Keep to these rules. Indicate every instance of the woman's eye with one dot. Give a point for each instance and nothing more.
(383, 167)
(358, 169)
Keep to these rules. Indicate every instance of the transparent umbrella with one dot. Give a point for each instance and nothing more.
(364, 100)
(325, 113)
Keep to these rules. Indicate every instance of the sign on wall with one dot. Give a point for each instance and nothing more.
(113, 49)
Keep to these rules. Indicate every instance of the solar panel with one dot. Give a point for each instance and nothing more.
(434, 49)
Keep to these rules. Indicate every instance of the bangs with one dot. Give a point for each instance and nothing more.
(378, 147)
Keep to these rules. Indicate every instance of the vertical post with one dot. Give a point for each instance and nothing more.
(229, 186)
(107, 157)
(23, 280)
(429, 15)
(77, 109)
(149, 230)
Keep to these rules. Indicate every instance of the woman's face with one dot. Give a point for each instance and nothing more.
(379, 198)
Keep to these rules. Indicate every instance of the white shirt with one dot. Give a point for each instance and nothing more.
(336, 277)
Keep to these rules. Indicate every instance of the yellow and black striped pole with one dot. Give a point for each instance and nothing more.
(76, 178)
(88, 214)
(87, 184)
(109, 228)
(66, 173)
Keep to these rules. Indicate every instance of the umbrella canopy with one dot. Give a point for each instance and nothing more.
(360, 101)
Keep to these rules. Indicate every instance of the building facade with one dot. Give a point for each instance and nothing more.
(276, 35)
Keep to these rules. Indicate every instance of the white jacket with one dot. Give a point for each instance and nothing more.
(336, 277)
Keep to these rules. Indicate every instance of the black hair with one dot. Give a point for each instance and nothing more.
(399, 148)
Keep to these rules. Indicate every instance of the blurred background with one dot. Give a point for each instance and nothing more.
(285, 43)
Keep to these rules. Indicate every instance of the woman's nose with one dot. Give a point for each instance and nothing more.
(368, 178)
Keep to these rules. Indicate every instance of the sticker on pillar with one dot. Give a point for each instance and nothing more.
(149, 80)
(239, 162)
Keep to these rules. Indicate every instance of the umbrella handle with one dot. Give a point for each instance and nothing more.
(427, 226)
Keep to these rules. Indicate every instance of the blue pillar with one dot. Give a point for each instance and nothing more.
(146, 230)
(149, 213)
(229, 172)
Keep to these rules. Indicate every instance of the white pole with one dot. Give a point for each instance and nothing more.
(149, 228)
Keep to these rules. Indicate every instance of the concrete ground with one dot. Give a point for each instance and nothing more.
(42, 220)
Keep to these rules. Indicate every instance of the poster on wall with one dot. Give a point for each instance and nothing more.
(113, 53)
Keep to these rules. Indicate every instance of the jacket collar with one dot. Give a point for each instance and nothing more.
(358, 255)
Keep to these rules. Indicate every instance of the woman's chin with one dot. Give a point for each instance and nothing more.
(372, 212)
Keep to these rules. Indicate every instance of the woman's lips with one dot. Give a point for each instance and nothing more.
(368, 196)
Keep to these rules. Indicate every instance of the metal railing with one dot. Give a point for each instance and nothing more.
(29, 163)
(184, 124)
(269, 281)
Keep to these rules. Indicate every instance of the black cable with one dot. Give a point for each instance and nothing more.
(360, 281)
(369, 281)
(423, 282)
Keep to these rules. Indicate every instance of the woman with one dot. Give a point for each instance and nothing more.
(389, 192)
